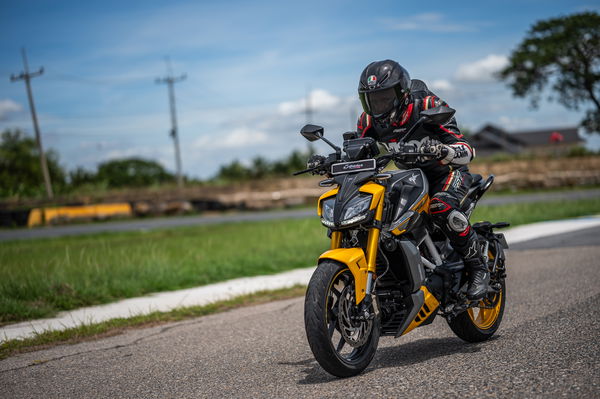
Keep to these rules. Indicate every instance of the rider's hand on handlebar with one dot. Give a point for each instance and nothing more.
(315, 161)
(435, 148)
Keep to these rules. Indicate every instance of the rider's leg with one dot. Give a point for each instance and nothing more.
(445, 209)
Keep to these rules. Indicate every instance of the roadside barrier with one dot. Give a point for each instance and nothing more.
(40, 216)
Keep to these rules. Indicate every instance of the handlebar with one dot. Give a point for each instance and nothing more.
(382, 161)
(303, 171)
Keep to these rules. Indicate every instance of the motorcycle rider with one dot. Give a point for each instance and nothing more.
(392, 102)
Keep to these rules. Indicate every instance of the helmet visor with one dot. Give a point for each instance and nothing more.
(379, 102)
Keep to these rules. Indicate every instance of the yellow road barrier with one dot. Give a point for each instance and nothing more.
(39, 216)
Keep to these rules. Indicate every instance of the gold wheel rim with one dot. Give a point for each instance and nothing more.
(486, 317)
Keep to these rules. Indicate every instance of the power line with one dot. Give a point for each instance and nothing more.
(26, 76)
(170, 80)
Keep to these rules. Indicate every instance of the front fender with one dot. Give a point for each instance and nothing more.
(356, 261)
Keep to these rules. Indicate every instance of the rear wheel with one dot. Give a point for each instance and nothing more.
(480, 323)
(342, 345)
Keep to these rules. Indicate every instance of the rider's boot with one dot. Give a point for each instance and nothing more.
(479, 278)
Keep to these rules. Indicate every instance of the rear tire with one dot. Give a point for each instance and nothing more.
(343, 348)
(479, 327)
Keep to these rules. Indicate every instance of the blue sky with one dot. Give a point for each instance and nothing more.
(249, 66)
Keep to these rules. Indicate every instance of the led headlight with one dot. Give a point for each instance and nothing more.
(327, 212)
(356, 210)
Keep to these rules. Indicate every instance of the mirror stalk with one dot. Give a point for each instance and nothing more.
(337, 149)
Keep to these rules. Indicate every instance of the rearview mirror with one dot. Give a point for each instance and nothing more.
(312, 132)
(438, 115)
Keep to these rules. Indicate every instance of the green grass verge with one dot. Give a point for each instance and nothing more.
(41, 277)
(46, 339)
(523, 213)
(495, 192)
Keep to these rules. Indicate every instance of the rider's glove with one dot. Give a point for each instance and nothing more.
(315, 161)
(434, 147)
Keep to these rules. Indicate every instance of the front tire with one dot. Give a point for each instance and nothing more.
(341, 346)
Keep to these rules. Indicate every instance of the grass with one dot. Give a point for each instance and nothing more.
(41, 277)
(495, 192)
(45, 339)
(523, 213)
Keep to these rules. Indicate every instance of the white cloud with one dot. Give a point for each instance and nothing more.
(441, 85)
(482, 70)
(319, 99)
(239, 137)
(431, 22)
(8, 107)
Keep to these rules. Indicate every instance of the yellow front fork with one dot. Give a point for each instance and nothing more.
(363, 270)
(336, 239)
(372, 241)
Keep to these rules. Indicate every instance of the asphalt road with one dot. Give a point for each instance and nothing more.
(548, 346)
(176, 221)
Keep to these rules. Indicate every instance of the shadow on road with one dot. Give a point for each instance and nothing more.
(403, 355)
(421, 351)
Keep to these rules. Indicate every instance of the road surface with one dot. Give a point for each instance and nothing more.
(548, 345)
(176, 221)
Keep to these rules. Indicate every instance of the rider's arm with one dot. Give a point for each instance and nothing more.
(458, 150)
(364, 125)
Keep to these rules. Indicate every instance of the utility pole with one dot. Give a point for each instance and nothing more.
(26, 76)
(170, 80)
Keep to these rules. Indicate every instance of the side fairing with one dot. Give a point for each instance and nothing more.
(407, 191)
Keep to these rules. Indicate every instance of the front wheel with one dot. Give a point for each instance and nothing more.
(342, 345)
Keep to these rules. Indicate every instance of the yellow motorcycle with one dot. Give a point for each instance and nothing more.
(389, 269)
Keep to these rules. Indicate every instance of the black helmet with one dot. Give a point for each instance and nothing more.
(384, 90)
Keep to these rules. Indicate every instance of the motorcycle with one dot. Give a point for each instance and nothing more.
(389, 268)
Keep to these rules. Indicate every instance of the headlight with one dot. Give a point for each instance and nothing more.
(327, 212)
(356, 210)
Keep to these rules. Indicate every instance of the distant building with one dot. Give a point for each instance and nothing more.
(491, 140)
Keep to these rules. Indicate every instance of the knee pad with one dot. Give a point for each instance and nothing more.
(458, 221)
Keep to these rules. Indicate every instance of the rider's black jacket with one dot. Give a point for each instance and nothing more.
(421, 99)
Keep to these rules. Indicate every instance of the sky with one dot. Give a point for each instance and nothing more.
(249, 67)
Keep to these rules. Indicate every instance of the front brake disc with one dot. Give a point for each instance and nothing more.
(355, 333)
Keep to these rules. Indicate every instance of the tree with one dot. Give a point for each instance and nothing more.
(20, 169)
(563, 53)
(260, 168)
(233, 171)
(132, 172)
(81, 176)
